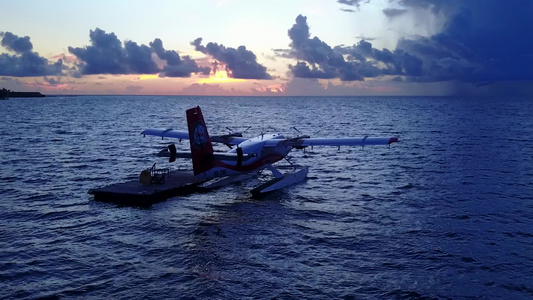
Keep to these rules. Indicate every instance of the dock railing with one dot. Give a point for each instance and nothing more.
(158, 175)
(154, 175)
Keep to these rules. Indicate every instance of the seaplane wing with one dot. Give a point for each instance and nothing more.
(163, 132)
(359, 141)
(231, 139)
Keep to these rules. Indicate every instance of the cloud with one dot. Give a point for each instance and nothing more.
(394, 12)
(172, 57)
(139, 58)
(355, 3)
(206, 89)
(304, 87)
(480, 42)
(52, 80)
(134, 89)
(14, 43)
(176, 66)
(312, 87)
(240, 62)
(11, 80)
(106, 55)
(25, 63)
(316, 59)
(436, 6)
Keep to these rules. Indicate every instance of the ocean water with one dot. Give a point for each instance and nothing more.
(447, 213)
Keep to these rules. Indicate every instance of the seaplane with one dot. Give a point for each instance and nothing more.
(247, 156)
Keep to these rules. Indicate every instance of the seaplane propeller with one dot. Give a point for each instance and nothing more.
(299, 136)
(237, 133)
(172, 150)
(226, 139)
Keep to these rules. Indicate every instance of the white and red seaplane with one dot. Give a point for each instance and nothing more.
(250, 155)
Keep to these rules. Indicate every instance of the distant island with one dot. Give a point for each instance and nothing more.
(6, 94)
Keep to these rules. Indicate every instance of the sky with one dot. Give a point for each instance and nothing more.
(267, 48)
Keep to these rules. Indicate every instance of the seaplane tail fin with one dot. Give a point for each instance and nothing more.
(201, 148)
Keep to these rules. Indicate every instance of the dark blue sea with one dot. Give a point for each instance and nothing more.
(447, 213)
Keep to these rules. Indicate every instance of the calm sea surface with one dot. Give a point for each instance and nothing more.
(446, 213)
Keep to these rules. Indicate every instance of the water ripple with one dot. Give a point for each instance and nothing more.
(444, 214)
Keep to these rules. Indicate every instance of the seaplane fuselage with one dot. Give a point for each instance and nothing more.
(264, 150)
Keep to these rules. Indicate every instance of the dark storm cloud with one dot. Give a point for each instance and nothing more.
(25, 63)
(106, 55)
(481, 41)
(240, 62)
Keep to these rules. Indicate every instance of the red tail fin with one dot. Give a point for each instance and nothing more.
(201, 148)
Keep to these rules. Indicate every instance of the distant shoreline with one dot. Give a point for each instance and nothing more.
(26, 95)
(6, 94)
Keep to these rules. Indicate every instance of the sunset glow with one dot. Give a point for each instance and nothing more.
(148, 76)
(221, 76)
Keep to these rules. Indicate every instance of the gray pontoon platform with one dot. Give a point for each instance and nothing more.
(166, 185)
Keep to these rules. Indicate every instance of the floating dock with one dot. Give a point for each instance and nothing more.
(162, 186)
